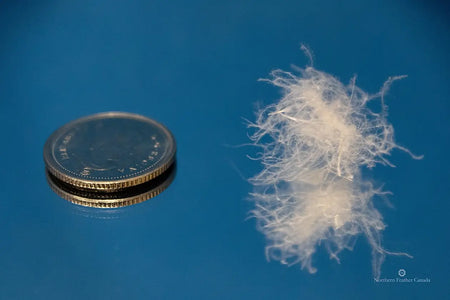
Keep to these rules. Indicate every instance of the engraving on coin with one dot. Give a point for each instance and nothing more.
(109, 151)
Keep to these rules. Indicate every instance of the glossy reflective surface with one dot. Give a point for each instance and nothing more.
(124, 197)
(194, 66)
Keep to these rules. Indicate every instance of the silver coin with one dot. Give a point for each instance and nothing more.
(109, 151)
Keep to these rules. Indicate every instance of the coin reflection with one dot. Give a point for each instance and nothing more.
(121, 198)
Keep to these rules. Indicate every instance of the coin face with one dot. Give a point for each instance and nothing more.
(109, 151)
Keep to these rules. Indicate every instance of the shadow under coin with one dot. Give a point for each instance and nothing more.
(112, 204)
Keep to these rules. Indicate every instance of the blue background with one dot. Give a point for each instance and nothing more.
(194, 65)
